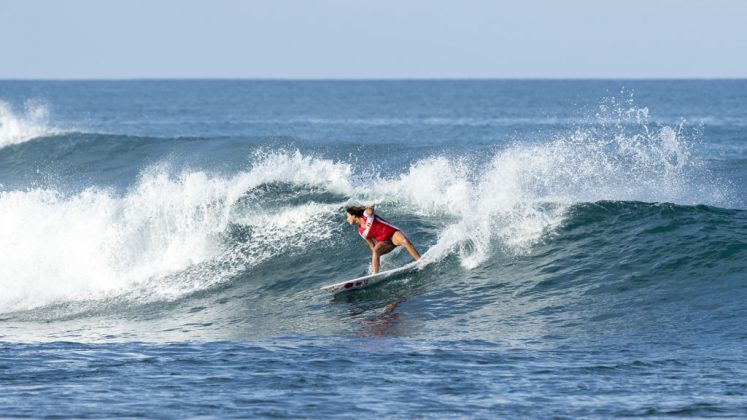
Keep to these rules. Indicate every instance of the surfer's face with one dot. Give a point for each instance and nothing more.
(351, 218)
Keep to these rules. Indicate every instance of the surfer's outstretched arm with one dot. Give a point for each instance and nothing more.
(370, 243)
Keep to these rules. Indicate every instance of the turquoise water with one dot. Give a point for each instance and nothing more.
(164, 242)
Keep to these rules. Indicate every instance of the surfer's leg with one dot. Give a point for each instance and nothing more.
(400, 239)
(381, 248)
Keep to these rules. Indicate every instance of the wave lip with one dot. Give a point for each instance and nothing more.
(31, 123)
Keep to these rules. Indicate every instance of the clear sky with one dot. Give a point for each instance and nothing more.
(333, 39)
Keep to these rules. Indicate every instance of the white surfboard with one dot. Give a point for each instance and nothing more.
(370, 279)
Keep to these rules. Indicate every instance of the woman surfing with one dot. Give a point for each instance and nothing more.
(381, 236)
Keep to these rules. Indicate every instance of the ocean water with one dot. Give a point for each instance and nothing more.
(162, 246)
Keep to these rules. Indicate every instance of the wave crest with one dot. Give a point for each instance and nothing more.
(31, 123)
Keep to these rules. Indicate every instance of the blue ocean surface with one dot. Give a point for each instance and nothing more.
(163, 244)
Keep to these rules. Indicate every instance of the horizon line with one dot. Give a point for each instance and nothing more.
(365, 79)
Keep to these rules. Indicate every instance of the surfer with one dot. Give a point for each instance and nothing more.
(381, 236)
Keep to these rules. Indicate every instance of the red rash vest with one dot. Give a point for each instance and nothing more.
(377, 228)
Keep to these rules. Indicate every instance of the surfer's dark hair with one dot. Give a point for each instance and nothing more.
(356, 211)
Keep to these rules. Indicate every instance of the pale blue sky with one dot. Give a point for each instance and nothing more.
(331, 39)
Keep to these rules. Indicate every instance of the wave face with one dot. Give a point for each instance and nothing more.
(567, 233)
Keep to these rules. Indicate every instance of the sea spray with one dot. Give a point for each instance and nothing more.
(18, 127)
(524, 191)
(96, 244)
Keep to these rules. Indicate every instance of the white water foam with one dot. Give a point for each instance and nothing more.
(31, 123)
(480, 207)
(95, 244)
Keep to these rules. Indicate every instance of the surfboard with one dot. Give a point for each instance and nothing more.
(365, 281)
